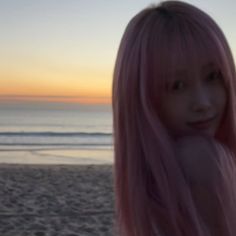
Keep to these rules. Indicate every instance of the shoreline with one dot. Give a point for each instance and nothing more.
(57, 156)
(56, 200)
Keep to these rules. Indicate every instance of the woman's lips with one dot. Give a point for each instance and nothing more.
(202, 124)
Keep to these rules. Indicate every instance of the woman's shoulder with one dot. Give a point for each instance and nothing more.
(200, 157)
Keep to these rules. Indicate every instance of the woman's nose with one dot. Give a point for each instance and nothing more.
(201, 101)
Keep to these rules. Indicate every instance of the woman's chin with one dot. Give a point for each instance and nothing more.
(210, 132)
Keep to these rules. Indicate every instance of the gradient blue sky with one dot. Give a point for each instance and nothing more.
(64, 50)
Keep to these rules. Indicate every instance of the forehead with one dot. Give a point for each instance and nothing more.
(179, 53)
(191, 53)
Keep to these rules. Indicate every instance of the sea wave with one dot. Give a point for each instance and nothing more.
(56, 134)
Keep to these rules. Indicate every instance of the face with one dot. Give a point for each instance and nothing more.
(194, 104)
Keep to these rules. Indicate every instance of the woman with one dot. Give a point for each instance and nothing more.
(174, 125)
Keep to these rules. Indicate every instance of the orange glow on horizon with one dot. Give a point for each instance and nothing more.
(56, 99)
(87, 87)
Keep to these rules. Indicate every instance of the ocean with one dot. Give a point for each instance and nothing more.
(36, 133)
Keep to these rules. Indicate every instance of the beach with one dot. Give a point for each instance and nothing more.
(56, 200)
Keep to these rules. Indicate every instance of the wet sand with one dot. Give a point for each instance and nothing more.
(56, 200)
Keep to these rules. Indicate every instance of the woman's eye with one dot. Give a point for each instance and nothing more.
(214, 75)
(177, 85)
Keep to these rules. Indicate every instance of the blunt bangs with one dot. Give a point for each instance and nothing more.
(178, 45)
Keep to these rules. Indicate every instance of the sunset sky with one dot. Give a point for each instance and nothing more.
(64, 50)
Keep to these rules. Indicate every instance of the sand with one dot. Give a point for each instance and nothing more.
(56, 200)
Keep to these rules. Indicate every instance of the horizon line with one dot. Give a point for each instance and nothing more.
(55, 98)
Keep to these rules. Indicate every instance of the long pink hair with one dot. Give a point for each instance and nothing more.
(152, 193)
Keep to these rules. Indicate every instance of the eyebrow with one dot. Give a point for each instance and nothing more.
(209, 66)
(180, 74)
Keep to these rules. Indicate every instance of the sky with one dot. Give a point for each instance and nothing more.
(65, 50)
